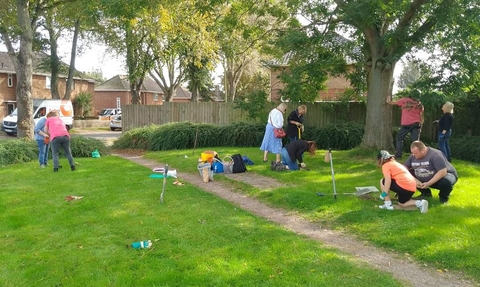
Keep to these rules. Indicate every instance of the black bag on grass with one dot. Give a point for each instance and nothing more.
(238, 164)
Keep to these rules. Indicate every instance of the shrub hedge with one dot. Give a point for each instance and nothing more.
(18, 151)
(185, 135)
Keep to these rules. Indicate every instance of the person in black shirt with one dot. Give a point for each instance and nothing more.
(292, 153)
(295, 123)
(445, 130)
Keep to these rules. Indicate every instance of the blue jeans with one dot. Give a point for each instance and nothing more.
(443, 144)
(63, 142)
(292, 165)
(42, 152)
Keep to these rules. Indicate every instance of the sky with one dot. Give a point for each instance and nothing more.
(96, 58)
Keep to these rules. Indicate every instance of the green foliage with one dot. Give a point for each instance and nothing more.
(17, 151)
(345, 135)
(252, 95)
(83, 146)
(339, 136)
(241, 135)
(21, 151)
(466, 148)
(467, 115)
(189, 135)
(83, 102)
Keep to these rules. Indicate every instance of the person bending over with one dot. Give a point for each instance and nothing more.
(398, 179)
(292, 153)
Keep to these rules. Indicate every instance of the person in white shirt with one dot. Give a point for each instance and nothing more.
(271, 143)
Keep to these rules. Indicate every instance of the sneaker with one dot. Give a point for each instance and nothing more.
(72, 167)
(423, 206)
(42, 166)
(55, 169)
(387, 207)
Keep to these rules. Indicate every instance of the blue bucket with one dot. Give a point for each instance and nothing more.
(217, 166)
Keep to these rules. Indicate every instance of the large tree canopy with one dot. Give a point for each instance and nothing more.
(379, 34)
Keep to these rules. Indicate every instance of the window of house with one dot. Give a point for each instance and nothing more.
(48, 83)
(10, 80)
(155, 97)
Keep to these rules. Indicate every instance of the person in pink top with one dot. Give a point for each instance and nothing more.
(411, 121)
(398, 179)
(59, 137)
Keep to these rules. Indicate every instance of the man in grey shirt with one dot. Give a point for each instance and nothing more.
(431, 169)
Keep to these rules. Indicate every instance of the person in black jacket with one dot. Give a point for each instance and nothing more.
(445, 130)
(295, 123)
(292, 153)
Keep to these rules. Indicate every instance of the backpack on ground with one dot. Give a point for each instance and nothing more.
(238, 164)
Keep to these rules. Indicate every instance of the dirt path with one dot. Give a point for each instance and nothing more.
(402, 267)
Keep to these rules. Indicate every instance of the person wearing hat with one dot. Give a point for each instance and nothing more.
(431, 169)
(398, 179)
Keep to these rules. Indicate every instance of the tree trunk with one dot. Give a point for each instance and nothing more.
(54, 60)
(24, 73)
(71, 69)
(134, 93)
(194, 94)
(378, 128)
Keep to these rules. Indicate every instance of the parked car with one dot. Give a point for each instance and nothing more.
(110, 112)
(116, 123)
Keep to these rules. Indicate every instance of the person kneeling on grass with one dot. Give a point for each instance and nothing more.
(398, 179)
(293, 152)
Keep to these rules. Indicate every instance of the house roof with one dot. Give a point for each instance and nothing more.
(121, 83)
(182, 93)
(40, 63)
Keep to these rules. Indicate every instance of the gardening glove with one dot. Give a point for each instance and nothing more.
(303, 165)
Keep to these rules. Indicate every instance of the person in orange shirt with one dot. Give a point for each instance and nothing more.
(398, 179)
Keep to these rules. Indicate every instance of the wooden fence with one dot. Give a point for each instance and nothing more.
(318, 114)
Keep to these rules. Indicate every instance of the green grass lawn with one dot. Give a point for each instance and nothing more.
(201, 240)
(447, 237)
(198, 239)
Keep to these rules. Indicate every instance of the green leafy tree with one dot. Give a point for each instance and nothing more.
(245, 31)
(18, 25)
(379, 34)
(252, 95)
(185, 48)
(411, 73)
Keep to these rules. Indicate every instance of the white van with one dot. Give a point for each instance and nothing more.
(41, 107)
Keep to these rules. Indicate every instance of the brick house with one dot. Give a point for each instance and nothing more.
(116, 92)
(40, 82)
(335, 85)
